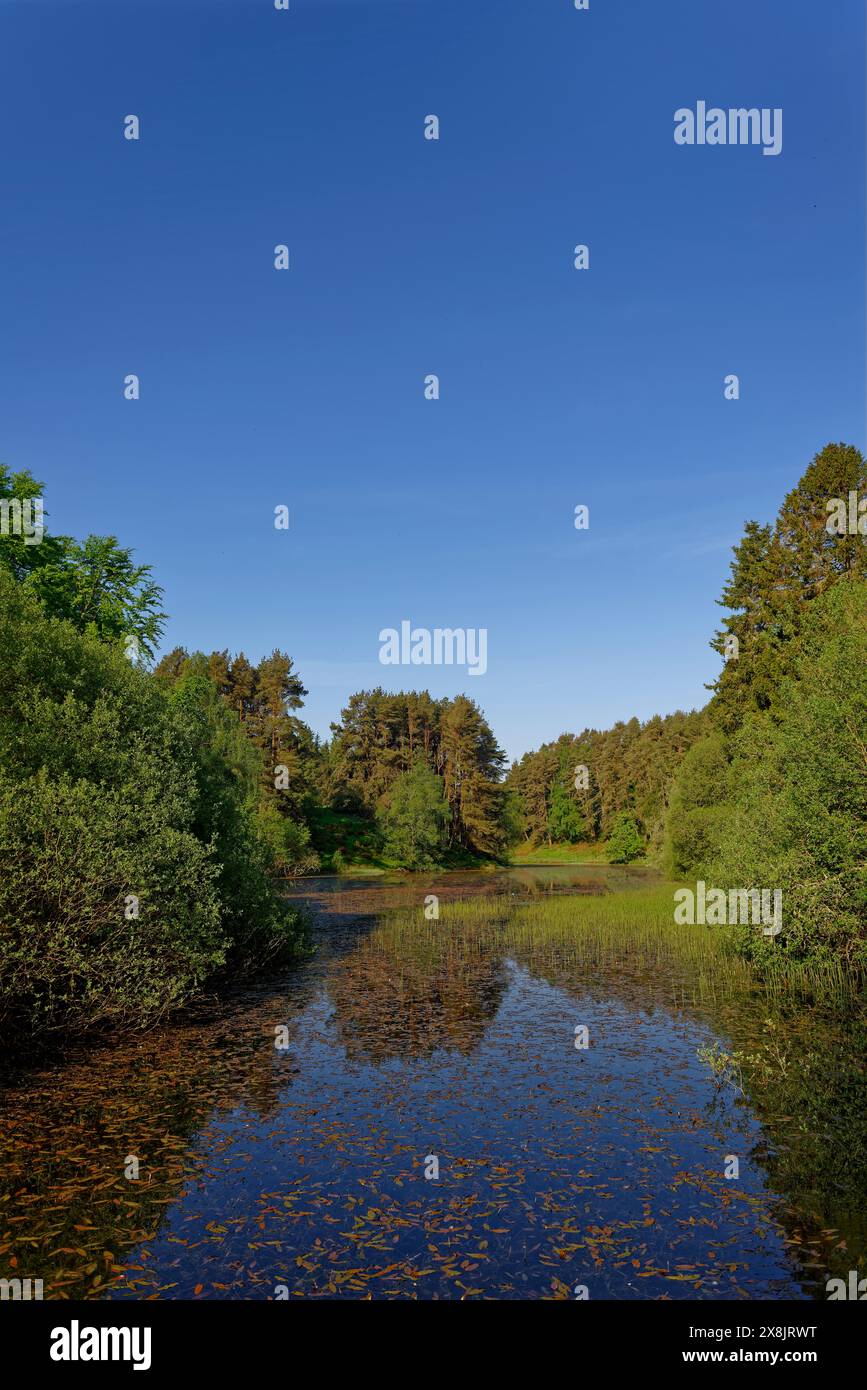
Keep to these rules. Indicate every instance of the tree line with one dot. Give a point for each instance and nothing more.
(146, 815)
(766, 787)
(405, 780)
(775, 792)
(599, 786)
(135, 867)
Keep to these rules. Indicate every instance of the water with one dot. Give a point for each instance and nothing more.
(301, 1171)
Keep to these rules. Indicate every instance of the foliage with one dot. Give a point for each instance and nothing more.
(111, 793)
(380, 737)
(629, 768)
(284, 756)
(776, 574)
(765, 788)
(94, 585)
(797, 819)
(625, 842)
(566, 820)
(416, 817)
(774, 796)
(697, 805)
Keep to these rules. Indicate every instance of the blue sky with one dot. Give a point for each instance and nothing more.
(411, 257)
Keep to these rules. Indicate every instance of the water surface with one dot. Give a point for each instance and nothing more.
(300, 1170)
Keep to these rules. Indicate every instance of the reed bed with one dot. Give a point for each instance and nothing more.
(590, 934)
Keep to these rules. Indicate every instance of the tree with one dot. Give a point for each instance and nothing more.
(798, 819)
(698, 806)
(381, 735)
(624, 842)
(629, 767)
(286, 755)
(132, 866)
(565, 820)
(95, 585)
(471, 763)
(777, 573)
(514, 823)
(415, 820)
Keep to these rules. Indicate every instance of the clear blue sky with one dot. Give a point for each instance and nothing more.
(411, 257)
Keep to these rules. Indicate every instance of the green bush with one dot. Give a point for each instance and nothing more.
(697, 807)
(799, 786)
(115, 801)
(288, 841)
(624, 842)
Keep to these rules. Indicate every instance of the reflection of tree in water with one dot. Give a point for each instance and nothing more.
(414, 985)
(405, 986)
(410, 989)
(804, 1072)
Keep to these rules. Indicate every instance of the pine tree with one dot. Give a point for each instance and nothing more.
(776, 574)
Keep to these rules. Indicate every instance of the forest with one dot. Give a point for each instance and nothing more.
(150, 810)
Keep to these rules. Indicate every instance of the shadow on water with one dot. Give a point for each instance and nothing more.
(431, 1130)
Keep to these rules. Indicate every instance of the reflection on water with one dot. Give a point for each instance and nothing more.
(301, 1172)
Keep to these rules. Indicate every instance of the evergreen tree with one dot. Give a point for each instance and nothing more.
(378, 739)
(629, 767)
(288, 757)
(776, 574)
